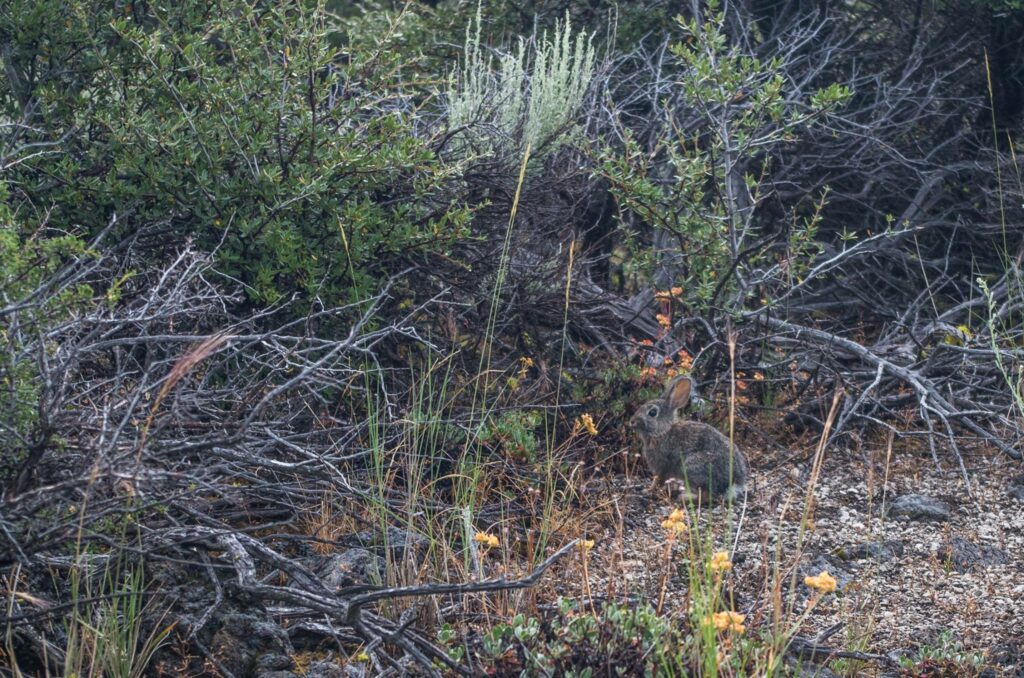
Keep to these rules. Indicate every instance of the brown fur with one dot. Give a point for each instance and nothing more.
(693, 453)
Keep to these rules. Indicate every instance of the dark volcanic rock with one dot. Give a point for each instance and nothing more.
(244, 638)
(353, 567)
(274, 662)
(1008, 658)
(1016, 488)
(401, 543)
(327, 669)
(919, 507)
(880, 551)
(965, 556)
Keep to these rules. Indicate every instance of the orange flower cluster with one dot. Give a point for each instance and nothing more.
(675, 524)
(666, 296)
(728, 622)
(486, 539)
(720, 562)
(824, 582)
(587, 422)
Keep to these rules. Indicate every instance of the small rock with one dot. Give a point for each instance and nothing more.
(327, 669)
(1016, 489)
(1009, 658)
(965, 556)
(880, 551)
(397, 541)
(272, 661)
(354, 566)
(244, 638)
(919, 507)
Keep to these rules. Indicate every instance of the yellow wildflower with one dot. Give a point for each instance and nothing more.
(587, 422)
(586, 544)
(731, 622)
(677, 515)
(720, 562)
(663, 320)
(823, 582)
(662, 295)
(488, 540)
(675, 524)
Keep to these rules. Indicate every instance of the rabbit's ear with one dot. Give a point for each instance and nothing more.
(678, 392)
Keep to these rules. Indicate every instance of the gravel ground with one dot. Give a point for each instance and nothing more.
(908, 595)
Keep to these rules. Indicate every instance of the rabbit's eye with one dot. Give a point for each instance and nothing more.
(653, 412)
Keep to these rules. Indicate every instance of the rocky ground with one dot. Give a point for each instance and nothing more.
(921, 560)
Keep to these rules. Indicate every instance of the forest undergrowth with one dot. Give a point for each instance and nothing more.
(323, 325)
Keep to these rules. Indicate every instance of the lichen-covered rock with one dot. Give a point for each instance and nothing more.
(274, 662)
(965, 556)
(329, 669)
(919, 507)
(351, 568)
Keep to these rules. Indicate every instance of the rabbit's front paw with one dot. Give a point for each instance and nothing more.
(678, 490)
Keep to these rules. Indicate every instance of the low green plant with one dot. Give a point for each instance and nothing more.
(945, 656)
(515, 432)
(583, 643)
(613, 391)
(1002, 337)
(707, 636)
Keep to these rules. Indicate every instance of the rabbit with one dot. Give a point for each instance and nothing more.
(688, 452)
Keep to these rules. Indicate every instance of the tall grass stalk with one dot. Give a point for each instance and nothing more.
(482, 404)
(551, 423)
(106, 631)
(1000, 334)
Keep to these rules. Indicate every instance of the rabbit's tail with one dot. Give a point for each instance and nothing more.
(734, 491)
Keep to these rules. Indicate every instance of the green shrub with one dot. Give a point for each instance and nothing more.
(32, 301)
(701, 183)
(265, 130)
